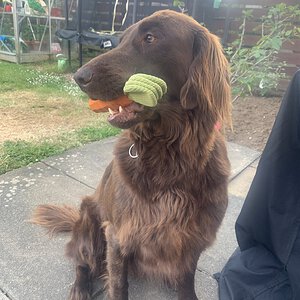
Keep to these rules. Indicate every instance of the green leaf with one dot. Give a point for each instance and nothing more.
(248, 13)
(288, 33)
(276, 43)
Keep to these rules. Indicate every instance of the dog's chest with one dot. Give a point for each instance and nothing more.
(158, 234)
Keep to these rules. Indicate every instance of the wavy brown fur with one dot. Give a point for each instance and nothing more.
(56, 219)
(158, 212)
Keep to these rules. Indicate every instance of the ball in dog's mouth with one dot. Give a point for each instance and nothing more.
(140, 90)
(123, 112)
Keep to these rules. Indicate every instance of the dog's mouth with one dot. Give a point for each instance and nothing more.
(125, 117)
(123, 112)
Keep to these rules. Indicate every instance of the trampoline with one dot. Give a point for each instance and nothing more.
(99, 23)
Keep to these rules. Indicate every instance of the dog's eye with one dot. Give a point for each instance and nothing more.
(149, 38)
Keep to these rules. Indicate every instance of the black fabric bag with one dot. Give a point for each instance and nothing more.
(89, 38)
(267, 264)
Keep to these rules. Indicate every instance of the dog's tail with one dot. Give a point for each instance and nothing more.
(55, 218)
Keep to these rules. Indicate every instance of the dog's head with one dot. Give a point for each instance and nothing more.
(171, 46)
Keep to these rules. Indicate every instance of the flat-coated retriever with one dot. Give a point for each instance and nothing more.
(157, 212)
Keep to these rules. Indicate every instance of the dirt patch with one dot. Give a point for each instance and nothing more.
(253, 119)
(25, 115)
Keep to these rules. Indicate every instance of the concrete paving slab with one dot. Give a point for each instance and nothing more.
(255, 163)
(87, 163)
(32, 266)
(240, 185)
(3, 297)
(215, 257)
(206, 287)
(240, 157)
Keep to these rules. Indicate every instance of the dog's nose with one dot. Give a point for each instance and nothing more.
(83, 76)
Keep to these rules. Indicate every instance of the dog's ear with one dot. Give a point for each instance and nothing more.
(207, 86)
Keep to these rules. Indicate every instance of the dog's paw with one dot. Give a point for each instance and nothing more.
(79, 294)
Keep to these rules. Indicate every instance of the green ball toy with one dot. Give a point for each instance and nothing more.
(145, 89)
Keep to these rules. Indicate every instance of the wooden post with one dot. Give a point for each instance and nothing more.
(50, 5)
(79, 30)
(194, 9)
(16, 32)
(134, 13)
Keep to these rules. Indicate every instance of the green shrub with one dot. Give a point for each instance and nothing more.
(256, 70)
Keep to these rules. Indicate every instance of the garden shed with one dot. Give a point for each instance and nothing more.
(27, 29)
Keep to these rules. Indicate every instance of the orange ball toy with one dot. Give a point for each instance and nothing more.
(102, 106)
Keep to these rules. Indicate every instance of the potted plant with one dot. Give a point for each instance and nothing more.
(32, 35)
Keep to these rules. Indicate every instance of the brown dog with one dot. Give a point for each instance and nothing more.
(156, 212)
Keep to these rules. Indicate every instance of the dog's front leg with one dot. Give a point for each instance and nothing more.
(83, 284)
(186, 288)
(117, 267)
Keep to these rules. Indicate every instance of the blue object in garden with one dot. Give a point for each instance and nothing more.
(7, 44)
(217, 3)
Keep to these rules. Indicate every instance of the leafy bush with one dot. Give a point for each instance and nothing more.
(7, 24)
(256, 70)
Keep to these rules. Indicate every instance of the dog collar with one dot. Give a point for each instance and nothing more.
(130, 152)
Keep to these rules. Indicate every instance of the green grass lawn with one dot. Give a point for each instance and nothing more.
(38, 92)
(19, 153)
(38, 77)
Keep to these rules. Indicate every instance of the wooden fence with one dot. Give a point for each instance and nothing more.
(99, 13)
(226, 20)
